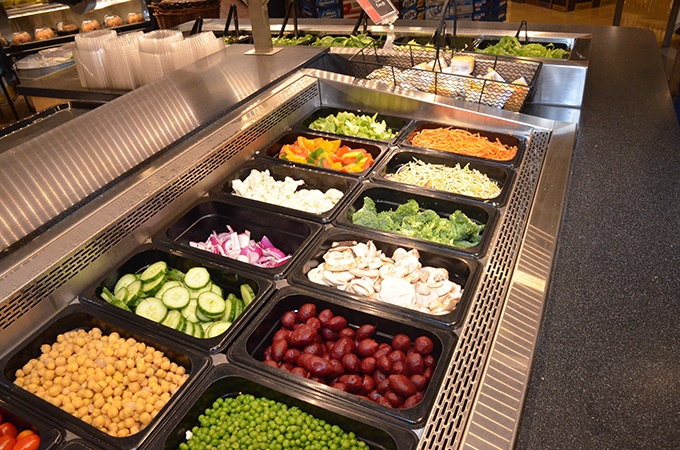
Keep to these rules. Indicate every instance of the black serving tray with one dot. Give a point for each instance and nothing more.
(226, 380)
(228, 279)
(76, 444)
(248, 349)
(507, 139)
(500, 173)
(313, 179)
(396, 124)
(12, 412)
(288, 234)
(81, 316)
(444, 205)
(372, 147)
(462, 270)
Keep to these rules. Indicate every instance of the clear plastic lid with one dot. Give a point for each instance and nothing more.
(89, 25)
(135, 17)
(21, 37)
(112, 20)
(42, 32)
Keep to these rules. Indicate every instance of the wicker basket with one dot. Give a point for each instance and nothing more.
(170, 14)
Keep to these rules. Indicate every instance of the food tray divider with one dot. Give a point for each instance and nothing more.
(258, 335)
(81, 316)
(225, 277)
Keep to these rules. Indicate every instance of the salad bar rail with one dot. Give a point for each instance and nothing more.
(478, 399)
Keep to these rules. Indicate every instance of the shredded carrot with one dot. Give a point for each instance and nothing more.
(461, 141)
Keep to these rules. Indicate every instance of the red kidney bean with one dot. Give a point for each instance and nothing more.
(401, 342)
(350, 362)
(317, 379)
(314, 323)
(329, 334)
(412, 400)
(384, 365)
(289, 320)
(401, 385)
(302, 336)
(365, 331)
(306, 311)
(347, 332)
(399, 368)
(419, 381)
(414, 363)
(396, 355)
(338, 368)
(300, 371)
(291, 356)
(428, 372)
(367, 347)
(282, 333)
(384, 402)
(269, 362)
(325, 316)
(329, 345)
(429, 361)
(315, 349)
(302, 359)
(423, 345)
(378, 376)
(341, 386)
(354, 383)
(383, 386)
(267, 353)
(368, 365)
(373, 395)
(286, 366)
(318, 366)
(337, 323)
(279, 348)
(395, 399)
(382, 351)
(368, 384)
(343, 346)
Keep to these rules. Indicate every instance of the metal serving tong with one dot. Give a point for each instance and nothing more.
(233, 15)
(363, 17)
(438, 38)
(291, 8)
(526, 32)
(198, 26)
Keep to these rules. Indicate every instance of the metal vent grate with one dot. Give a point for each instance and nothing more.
(456, 395)
(24, 300)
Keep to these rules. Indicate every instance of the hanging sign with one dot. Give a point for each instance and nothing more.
(380, 11)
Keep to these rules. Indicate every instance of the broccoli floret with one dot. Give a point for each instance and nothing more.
(367, 215)
(468, 232)
(408, 209)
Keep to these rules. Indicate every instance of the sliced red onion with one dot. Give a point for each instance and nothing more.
(241, 247)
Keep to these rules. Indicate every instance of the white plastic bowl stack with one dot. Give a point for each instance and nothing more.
(121, 60)
(182, 53)
(156, 55)
(89, 60)
(204, 44)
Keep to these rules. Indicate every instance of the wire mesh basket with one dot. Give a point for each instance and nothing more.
(169, 14)
(498, 81)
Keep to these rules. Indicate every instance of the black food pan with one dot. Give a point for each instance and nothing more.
(83, 317)
(391, 198)
(420, 43)
(354, 143)
(499, 173)
(213, 216)
(313, 179)
(486, 42)
(228, 280)
(505, 139)
(22, 419)
(461, 270)
(228, 381)
(250, 351)
(396, 124)
(76, 444)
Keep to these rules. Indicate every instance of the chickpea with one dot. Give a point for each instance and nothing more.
(145, 418)
(98, 422)
(122, 432)
(165, 364)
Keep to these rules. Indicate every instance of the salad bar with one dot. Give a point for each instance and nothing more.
(395, 304)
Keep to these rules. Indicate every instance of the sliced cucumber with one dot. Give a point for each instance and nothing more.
(167, 285)
(154, 272)
(196, 292)
(211, 305)
(176, 275)
(238, 307)
(125, 281)
(152, 308)
(202, 318)
(134, 290)
(107, 295)
(247, 294)
(175, 319)
(120, 304)
(197, 277)
(228, 315)
(205, 326)
(121, 294)
(152, 287)
(217, 328)
(216, 289)
(198, 332)
(176, 297)
(189, 311)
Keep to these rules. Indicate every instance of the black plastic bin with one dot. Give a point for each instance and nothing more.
(396, 124)
(248, 349)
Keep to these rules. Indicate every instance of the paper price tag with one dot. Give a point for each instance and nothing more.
(380, 11)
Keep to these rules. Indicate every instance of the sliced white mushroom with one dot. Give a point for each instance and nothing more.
(337, 278)
(392, 270)
(362, 272)
(409, 262)
(316, 275)
(339, 260)
(397, 291)
(437, 274)
(361, 286)
(442, 288)
(424, 295)
(399, 254)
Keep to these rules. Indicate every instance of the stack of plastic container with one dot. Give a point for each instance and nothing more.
(89, 58)
(121, 61)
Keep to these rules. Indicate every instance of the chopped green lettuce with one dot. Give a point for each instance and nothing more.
(510, 46)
